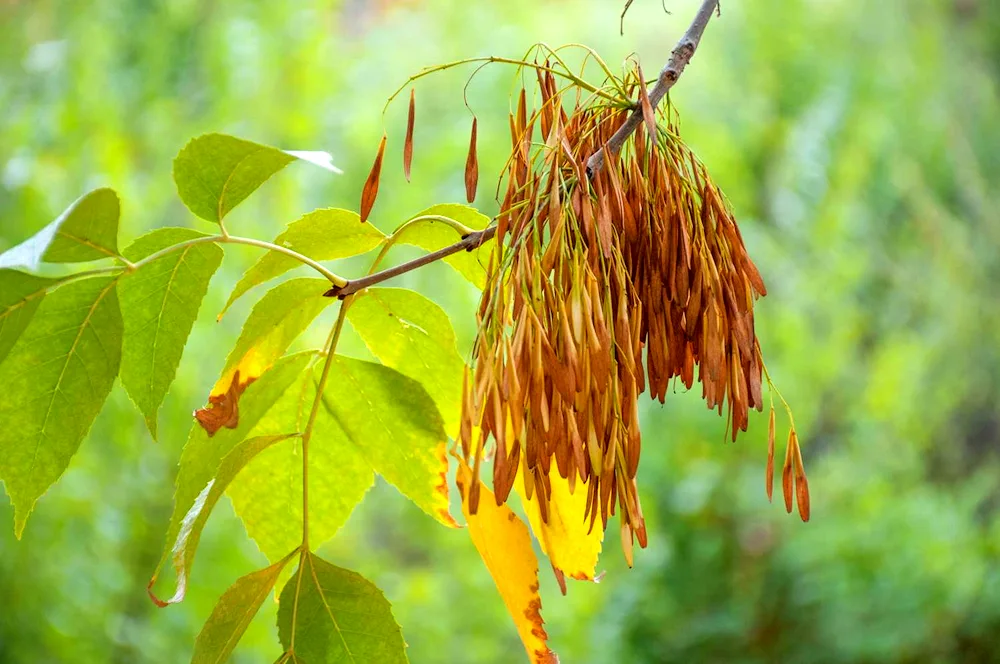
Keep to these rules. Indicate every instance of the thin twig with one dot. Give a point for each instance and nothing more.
(679, 59)
(467, 243)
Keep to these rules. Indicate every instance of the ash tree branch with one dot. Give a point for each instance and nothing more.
(679, 59)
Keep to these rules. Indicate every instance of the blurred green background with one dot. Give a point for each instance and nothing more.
(860, 147)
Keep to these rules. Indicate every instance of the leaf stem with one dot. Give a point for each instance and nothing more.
(329, 347)
(233, 239)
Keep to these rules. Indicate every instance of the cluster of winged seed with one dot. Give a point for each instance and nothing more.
(603, 285)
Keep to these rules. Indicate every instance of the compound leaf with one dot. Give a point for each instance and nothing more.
(160, 302)
(55, 381)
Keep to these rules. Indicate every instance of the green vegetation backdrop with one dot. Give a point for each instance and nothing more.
(860, 147)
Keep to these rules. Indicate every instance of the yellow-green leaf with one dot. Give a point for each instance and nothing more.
(214, 173)
(267, 495)
(20, 296)
(323, 235)
(233, 613)
(55, 381)
(413, 335)
(193, 523)
(395, 424)
(86, 231)
(160, 302)
(433, 235)
(203, 454)
(336, 615)
(274, 323)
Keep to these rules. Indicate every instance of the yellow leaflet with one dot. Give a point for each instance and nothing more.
(250, 367)
(503, 541)
(564, 539)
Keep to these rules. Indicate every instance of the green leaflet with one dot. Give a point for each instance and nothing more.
(274, 323)
(193, 523)
(267, 495)
(433, 235)
(412, 335)
(214, 173)
(394, 422)
(86, 231)
(336, 615)
(20, 296)
(233, 613)
(323, 235)
(160, 303)
(203, 454)
(55, 381)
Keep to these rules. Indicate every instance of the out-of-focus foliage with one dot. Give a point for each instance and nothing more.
(860, 147)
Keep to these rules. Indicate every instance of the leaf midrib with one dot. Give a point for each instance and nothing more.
(62, 372)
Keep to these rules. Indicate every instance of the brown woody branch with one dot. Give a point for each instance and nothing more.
(679, 59)
(467, 243)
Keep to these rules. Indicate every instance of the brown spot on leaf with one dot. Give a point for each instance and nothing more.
(223, 410)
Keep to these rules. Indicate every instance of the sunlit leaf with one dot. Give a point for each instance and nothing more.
(20, 296)
(203, 454)
(323, 235)
(214, 173)
(55, 381)
(86, 231)
(267, 495)
(564, 537)
(394, 422)
(274, 323)
(233, 614)
(504, 543)
(413, 335)
(160, 303)
(433, 235)
(336, 615)
(186, 545)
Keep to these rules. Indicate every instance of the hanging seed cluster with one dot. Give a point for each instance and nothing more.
(604, 286)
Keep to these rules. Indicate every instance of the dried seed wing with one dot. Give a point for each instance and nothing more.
(472, 166)
(370, 191)
(408, 145)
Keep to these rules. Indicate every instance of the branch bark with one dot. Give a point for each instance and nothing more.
(467, 243)
(679, 59)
